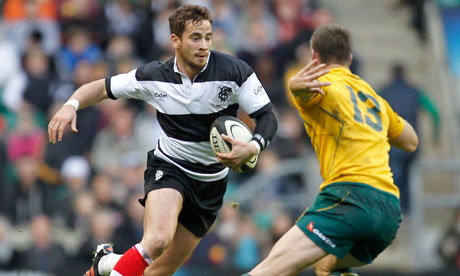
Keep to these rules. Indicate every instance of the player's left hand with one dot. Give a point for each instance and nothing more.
(241, 153)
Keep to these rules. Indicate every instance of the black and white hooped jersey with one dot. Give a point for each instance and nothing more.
(186, 109)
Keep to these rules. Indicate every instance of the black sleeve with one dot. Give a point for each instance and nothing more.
(108, 88)
(266, 126)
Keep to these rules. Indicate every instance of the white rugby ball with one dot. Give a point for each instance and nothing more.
(235, 129)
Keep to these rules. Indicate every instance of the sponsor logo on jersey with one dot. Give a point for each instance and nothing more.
(259, 90)
(160, 96)
(320, 235)
(158, 175)
(224, 93)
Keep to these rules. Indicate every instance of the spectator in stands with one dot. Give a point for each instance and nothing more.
(79, 47)
(211, 252)
(9, 256)
(282, 222)
(227, 226)
(407, 100)
(247, 251)
(265, 68)
(256, 29)
(40, 80)
(120, 49)
(117, 140)
(75, 175)
(90, 117)
(221, 42)
(301, 56)
(418, 20)
(44, 254)
(83, 206)
(130, 230)
(131, 19)
(102, 225)
(160, 28)
(12, 80)
(131, 173)
(86, 13)
(26, 138)
(26, 195)
(105, 191)
(290, 141)
(288, 15)
(225, 18)
(24, 17)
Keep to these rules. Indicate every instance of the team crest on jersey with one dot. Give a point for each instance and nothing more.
(224, 93)
(158, 175)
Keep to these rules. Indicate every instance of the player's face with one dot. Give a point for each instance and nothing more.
(194, 45)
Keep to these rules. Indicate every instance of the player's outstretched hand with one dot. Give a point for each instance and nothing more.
(241, 152)
(305, 83)
(65, 116)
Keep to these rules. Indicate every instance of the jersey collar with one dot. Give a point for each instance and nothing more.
(176, 69)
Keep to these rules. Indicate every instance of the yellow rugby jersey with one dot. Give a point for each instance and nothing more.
(349, 127)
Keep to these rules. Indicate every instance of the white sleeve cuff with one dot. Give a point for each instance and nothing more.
(73, 102)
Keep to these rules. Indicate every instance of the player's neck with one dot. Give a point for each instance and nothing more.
(189, 71)
(336, 65)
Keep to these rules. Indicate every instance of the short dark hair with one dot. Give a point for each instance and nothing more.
(186, 13)
(332, 43)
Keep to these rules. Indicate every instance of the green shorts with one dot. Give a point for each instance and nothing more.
(353, 218)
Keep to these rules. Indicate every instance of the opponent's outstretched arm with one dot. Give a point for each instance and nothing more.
(84, 96)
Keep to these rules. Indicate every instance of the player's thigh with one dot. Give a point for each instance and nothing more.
(183, 244)
(291, 254)
(162, 208)
(331, 263)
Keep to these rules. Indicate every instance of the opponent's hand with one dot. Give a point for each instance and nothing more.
(305, 83)
(65, 116)
(241, 153)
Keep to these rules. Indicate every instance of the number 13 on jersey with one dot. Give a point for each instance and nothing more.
(375, 122)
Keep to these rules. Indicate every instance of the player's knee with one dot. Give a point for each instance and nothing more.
(156, 244)
(320, 271)
(322, 268)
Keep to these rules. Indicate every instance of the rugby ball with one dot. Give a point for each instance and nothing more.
(235, 129)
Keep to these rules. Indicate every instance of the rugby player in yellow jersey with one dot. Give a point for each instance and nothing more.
(356, 214)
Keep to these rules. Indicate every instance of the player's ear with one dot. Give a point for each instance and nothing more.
(314, 55)
(175, 41)
(351, 58)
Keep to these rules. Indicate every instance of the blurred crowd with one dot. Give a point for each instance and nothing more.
(58, 201)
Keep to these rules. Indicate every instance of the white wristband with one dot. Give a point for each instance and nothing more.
(74, 103)
(255, 144)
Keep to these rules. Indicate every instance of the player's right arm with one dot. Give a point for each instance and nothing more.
(86, 95)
